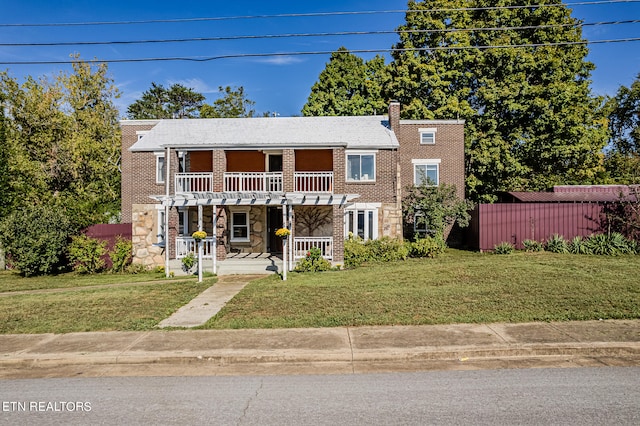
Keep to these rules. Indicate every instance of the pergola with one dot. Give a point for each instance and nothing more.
(222, 199)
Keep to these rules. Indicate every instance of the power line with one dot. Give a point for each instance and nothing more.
(325, 34)
(284, 54)
(313, 14)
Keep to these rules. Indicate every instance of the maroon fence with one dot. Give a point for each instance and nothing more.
(492, 224)
(109, 233)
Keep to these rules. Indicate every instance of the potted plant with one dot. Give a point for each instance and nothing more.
(188, 262)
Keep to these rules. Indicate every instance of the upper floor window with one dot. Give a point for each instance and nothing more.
(160, 168)
(361, 166)
(427, 136)
(426, 172)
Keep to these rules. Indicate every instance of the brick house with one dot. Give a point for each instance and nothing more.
(241, 179)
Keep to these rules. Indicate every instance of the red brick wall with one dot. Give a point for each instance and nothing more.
(135, 168)
(380, 191)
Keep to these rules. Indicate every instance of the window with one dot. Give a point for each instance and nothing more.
(426, 172)
(183, 222)
(362, 222)
(427, 136)
(161, 228)
(419, 225)
(240, 226)
(361, 167)
(160, 168)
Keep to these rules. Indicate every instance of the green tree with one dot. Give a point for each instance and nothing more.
(62, 140)
(623, 156)
(159, 102)
(531, 120)
(348, 86)
(233, 104)
(434, 208)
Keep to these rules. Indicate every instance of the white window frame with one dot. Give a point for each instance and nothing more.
(360, 153)
(426, 162)
(428, 136)
(369, 212)
(183, 216)
(160, 172)
(244, 211)
(161, 237)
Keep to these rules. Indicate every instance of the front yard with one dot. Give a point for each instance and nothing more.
(456, 287)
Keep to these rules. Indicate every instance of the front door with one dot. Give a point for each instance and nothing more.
(274, 222)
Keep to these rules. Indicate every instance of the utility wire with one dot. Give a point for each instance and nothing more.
(284, 54)
(326, 34)
(313, 14)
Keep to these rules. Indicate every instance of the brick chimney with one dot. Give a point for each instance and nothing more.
(394, 115)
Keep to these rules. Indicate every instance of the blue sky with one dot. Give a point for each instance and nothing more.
(276, 84)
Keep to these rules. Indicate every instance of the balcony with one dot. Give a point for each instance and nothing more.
(193, 182)
(253, 182)
(313, 182)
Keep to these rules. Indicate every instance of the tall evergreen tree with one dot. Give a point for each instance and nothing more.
(531, 120)
(347, 86)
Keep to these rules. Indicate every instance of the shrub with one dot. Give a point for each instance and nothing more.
(578, 245)
(36, 239)
(85, 254)
(504, 248)
(557, 244)
(313, 262)
(357, 251)
(136, 268)
(121, 255)
(619, 244)
(599, 245)
(427, 247)
(532, 245)
(188, 262)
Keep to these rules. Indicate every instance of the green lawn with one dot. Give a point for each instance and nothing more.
(457, 287)
(11, 281)
(139, 307)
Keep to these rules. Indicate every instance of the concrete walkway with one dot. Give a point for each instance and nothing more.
(340, 350)
(209, 302)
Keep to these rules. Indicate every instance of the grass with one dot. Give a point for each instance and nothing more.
(458, 287)
(139, 307)
(11, 281)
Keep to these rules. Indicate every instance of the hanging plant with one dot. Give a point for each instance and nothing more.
(199, 235)
(283, 233)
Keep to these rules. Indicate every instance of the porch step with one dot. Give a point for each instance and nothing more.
(234, 265)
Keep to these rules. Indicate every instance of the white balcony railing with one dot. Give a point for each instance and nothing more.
(253, 181)
(193, 182)
(302, 245)
(186, 245)
(313, 181)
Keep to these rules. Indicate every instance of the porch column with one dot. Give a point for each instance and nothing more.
(167, 175)
(215, 239)
(292, 228)
(200, 244)
(285, 243)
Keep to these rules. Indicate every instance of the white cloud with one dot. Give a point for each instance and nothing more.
(281, 60)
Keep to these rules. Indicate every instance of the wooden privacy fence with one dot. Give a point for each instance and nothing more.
(109, 233)
(492, 224)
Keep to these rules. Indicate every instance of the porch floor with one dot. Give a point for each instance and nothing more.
(238, 263)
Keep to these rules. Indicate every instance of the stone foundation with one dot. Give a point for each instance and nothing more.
(144, 234)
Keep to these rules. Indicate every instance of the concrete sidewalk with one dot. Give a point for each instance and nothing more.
(327, 350)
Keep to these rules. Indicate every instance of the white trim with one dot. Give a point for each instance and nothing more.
(431, 122)
(426, 162)
(141, 133)
(363, 206)
(360, 153)
(160, 155)
(161, 233)
(240, 210)
(427, 131)
(370, 221)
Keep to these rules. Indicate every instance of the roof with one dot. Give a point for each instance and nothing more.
(577, 194)
(362, 132)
